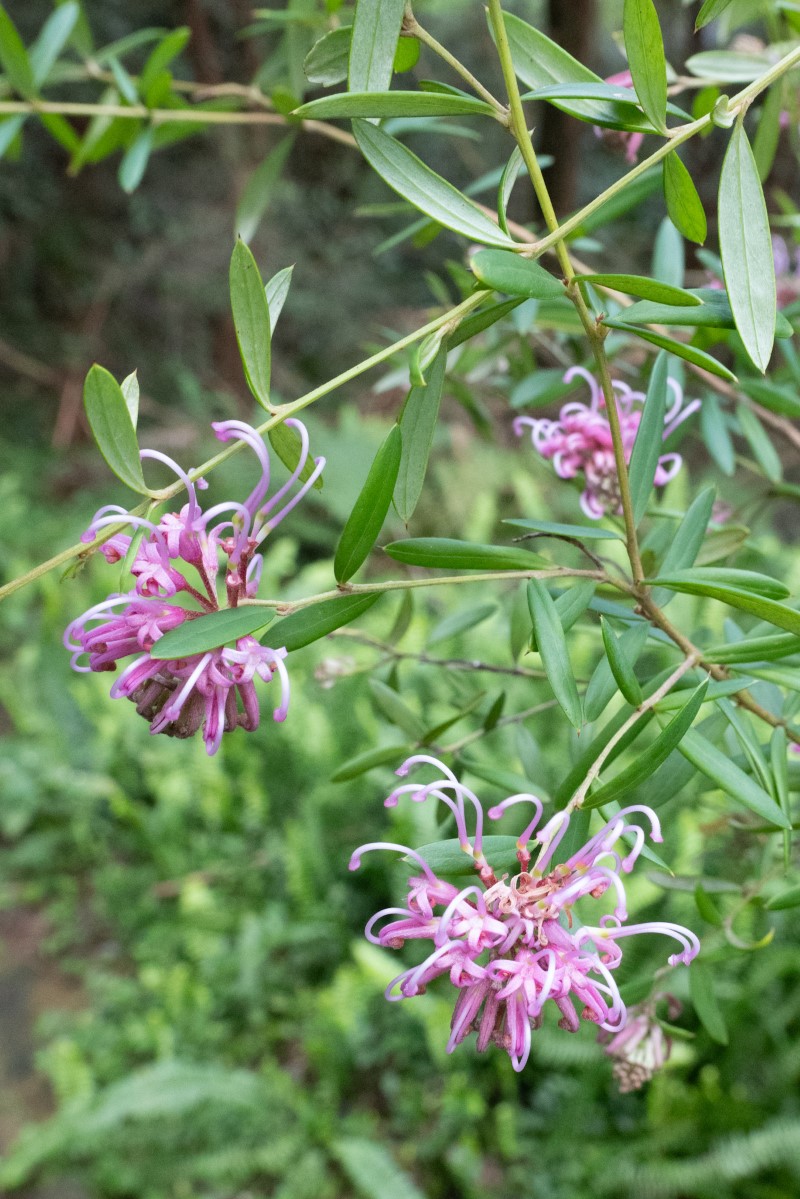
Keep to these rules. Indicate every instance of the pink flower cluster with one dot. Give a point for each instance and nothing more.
(642, 1047)
(510, 945)
(180, 556)
(579, 442)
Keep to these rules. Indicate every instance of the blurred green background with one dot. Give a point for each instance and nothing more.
(188, 1009)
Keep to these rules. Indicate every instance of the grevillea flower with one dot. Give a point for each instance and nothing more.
(579, 442)
(641, 1047)
(180, 556)
(511, 945)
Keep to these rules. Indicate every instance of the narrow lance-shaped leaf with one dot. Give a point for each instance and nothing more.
(760, 443)
(508, 272)
(647, 289)
(376, 31)
(317, 620)
(276, 290)
(259, 189)
(14, 57)
(414, 181)
(286, 443)
(684, 205)
(208, 632)
(134, 161)
(746, 249)
(446, 553)
(552, 645)
(369, 512)
(701, 989)
(506, 186)
(679, 348)
(644, 46)
(52, 38)
(649, 439)
(621, 668)
(717, 766)
(774, 613)
(346, 105)
(251, 321)
(417, 424)
(130, 390)
(602, 685)
(710, 11)
(685, 545)
(387, 755)
(110, 420)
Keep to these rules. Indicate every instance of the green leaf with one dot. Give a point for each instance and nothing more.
(507, 180)
(756, 649)
(727, 576)
(504, 271)
(317, 620)
(746, 249)
(389, 755)
(52, 38)
(472, 325)
(713, 312)
(417, 423)
(393, 104)
(369, 511)
(764, 451)
(710, 11)
(649, 439)
(656, 754)
(251, 321)
(783, 400)
(701, 990)
(573, 602)
(396, 711)
(327, 60)
(447, 858)
(726, 775)
(286, 442)
(208, 632)
(684, 205)
(134, 161)
(110, 420)
(259, 189)
(367, 1164)
(414, 181)
(159, 59)
(790, 898)
(376, 32)
(579, 532)
(460, 622)
(621, 668)
(552, 646)
(679, 348)
(648, 289)
(706, 907)
(130, 390)
(14, 58)
(602, 685)
(644, 47)
(768, 132)
(446, 553)
(623, 110)
(731, 65)
(721, 543)
(276, 290)
(716, 435)
(717, 690)
(9, 131)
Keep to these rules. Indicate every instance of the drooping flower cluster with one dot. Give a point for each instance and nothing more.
(510, 945)
(180, 556)
(579, 442)
(642, 1047)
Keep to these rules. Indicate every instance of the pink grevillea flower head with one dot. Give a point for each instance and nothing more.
(580, 443)
(642, 1047)
(175, 566)
(511, 945)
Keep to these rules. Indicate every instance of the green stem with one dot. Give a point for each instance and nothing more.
(83, 549)
(412, 28)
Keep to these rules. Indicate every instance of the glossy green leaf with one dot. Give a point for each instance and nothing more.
(710, 10)
(110, 420)
(418, 423)
(376, 31)
(134, 161)
(130, 391)
(649, 442)
(602, 685)
(14, 57)
(251, 321)
(507, 272)
(621, 668)
(208, 632)
(552, 648)
(276, 290)
(704, 1000)
(388, 755)
(724, 577)
(684, 205)
(447, 859)
(746, 249)
(393, 104)
(726, 775)
(259, 189)
(553, 529)
(714, 312)
(317, 620)
(731, 65)
(446, 553)
(287, 444)
(573, 602)
(679, 348)
(657, 753)
(414, 181)
(622, 109)
(755, 649)
(328, 59)
(644, 47)
(52, 38)
(648, 289)
(369, 511)
(507, 180)
(749, 743)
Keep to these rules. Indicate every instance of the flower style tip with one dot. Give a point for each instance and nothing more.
(509, 947)
(180, 558)
(579, 443)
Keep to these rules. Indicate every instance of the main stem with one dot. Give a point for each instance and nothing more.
(519, 128)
